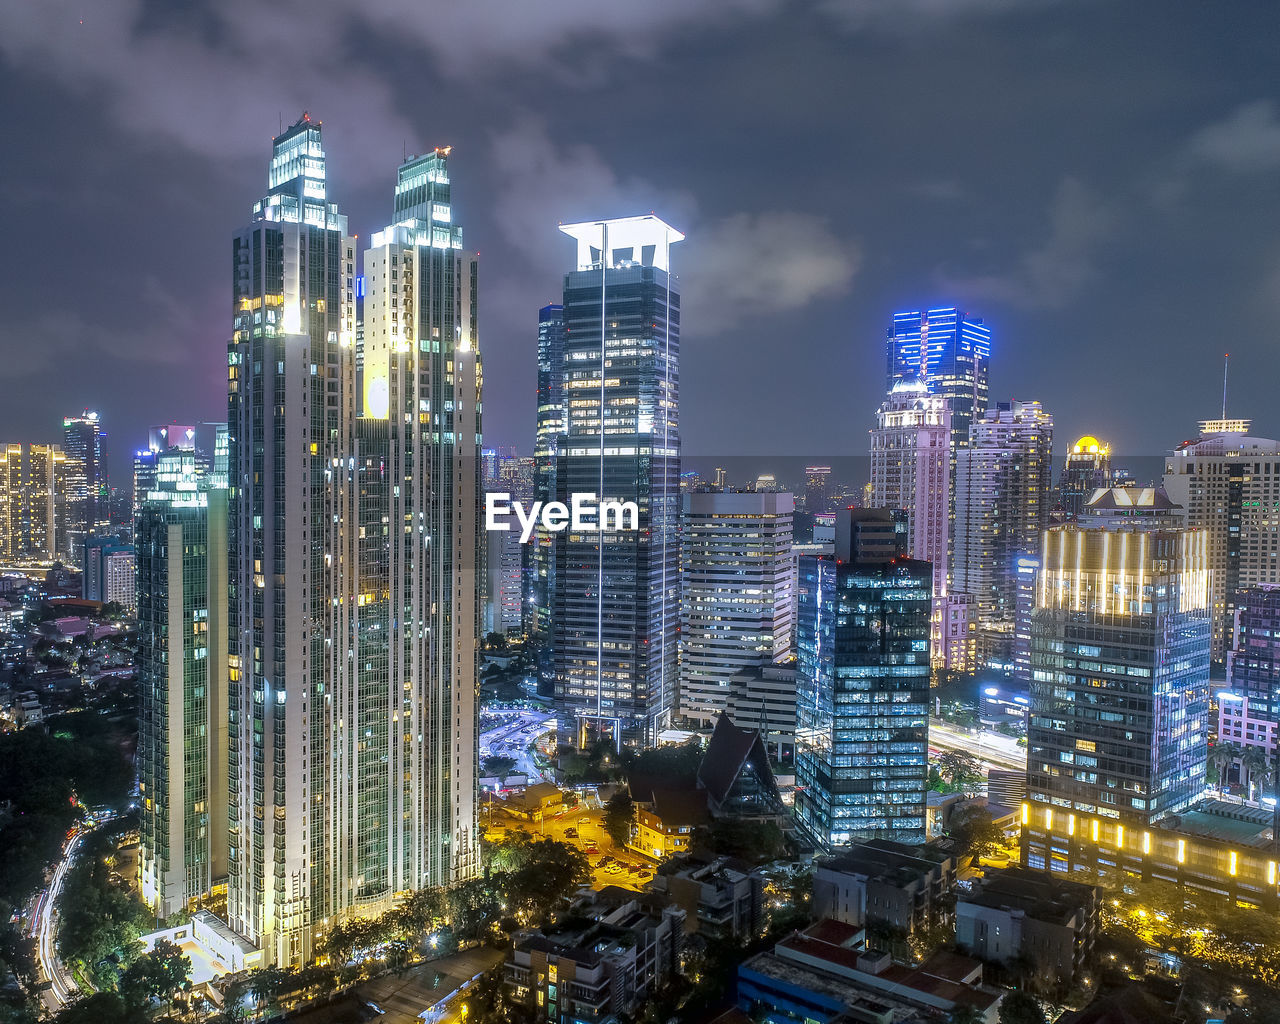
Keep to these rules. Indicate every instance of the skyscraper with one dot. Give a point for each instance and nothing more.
(616, 595)
(735, 594)
(1120, 673)
(181, 543)
(949, 350)
(911, 470)
(1228, 483)
(862, 699)
(817, 489)
(36, 481)
(87, 476)
(159, 440)
(1003, 481)
(292, 527)
(419, 438)
(1086, 469)
(110, 572)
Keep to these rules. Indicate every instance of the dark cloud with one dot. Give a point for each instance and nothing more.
(1101, 205)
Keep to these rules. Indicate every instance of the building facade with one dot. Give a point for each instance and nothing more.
(89, 492)
(109, 569)
(950, 351)
(353, 555)
(1228, 483)
(181, 536)
(616, 599)
(546, 446)
(1087, 468)
(863, 685)
(1118, 724)
(36, 508)
(736, 597)
(1003, 482)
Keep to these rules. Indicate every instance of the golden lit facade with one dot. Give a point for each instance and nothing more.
(1119, 661)
(35, 506)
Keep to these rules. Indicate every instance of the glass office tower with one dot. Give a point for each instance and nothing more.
(862, 701)
(546, 447)
(1119, 671)
(950, 351)
(616, 598)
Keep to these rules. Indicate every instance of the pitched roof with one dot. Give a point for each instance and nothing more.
(729, 751)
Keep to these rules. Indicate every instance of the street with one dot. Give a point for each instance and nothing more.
(44, 917)
(993, 749)
(511, 732)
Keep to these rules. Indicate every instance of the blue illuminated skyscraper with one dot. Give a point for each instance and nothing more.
(862, 688)
(949, 350)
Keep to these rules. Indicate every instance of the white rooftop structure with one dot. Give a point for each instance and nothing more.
(626, 241)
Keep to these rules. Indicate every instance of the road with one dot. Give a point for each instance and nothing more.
(44, 923)
(993, 749)
(511, 734)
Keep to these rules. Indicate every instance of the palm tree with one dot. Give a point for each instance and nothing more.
(1254, 760)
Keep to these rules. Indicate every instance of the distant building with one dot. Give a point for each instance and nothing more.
(863, 685)
(878, 882)
(764, 698)
(1228, 484)
(159, 440)
(817, 489)
(109, 571)
(37, 504)
(1003, 481)
(736, 601)
(88, 491)
(951, 351)
(1087, 467)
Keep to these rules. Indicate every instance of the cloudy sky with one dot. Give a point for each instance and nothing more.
(1097, 180)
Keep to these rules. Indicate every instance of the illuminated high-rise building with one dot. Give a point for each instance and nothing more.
(182, 563)
(1086, 469)
(88, 499)
(159, 440)
(817, 489)
(911, 470)
(1117, 734)
(949, 350)
(862, 684)
(616, 595)
(37, 482)
(1003, 481)
(736, 594)
(292, 663)
(354, 555)
(1228, 482)
(420, 583)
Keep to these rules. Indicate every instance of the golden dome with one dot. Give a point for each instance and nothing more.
(1090, 445)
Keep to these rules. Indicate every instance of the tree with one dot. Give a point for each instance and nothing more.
(1021, 1008)
(965, 1014)
(155, 975)
(495, 642)
(498, 765)
(544, 873)
(976, 832)
(617, 817)
(961, 770)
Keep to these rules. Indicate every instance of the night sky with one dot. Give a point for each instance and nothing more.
(1097, 180)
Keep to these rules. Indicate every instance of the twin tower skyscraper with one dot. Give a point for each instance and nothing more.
(353, 517)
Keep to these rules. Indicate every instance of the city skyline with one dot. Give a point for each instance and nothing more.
(1068, 240)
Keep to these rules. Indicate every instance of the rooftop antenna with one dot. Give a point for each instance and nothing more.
(280, 118)
(404, 151)
(1226, 362)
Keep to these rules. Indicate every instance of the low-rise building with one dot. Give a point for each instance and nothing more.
(1018, 913)
(664, 820)
(27, 710)
(722, 897)
(536, 802)
(602, 970)
(827, 973)
(881, 882)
